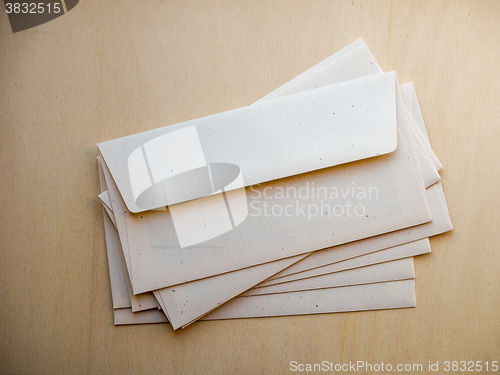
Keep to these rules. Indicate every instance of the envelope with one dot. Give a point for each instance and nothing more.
(117, 271)
(199, 293)
(255, 267)
(381, 272)
(187, 220)
(394, 294)
(410, 249)
(401, 269)
(121, 290)
(278, 138)
(396, 270)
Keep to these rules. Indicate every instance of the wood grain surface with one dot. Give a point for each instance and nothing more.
(112, 68)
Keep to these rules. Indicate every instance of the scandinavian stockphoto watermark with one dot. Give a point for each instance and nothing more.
(310, 200)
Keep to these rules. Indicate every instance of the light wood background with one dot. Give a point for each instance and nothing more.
(113, 68)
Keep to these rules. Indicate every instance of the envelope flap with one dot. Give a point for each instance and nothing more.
(266, 141)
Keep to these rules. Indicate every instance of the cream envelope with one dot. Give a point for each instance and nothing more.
(393, 294)
(191, 300)
(398, 252)
(193, 297)
(242, 271)
(383, 272)
(401, 269)
(215, 290)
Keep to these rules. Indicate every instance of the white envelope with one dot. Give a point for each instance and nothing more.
(245, 270)
(282, 137)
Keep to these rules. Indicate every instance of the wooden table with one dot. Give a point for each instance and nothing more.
(111, 68)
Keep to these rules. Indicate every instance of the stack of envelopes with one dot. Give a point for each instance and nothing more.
(312, 200)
